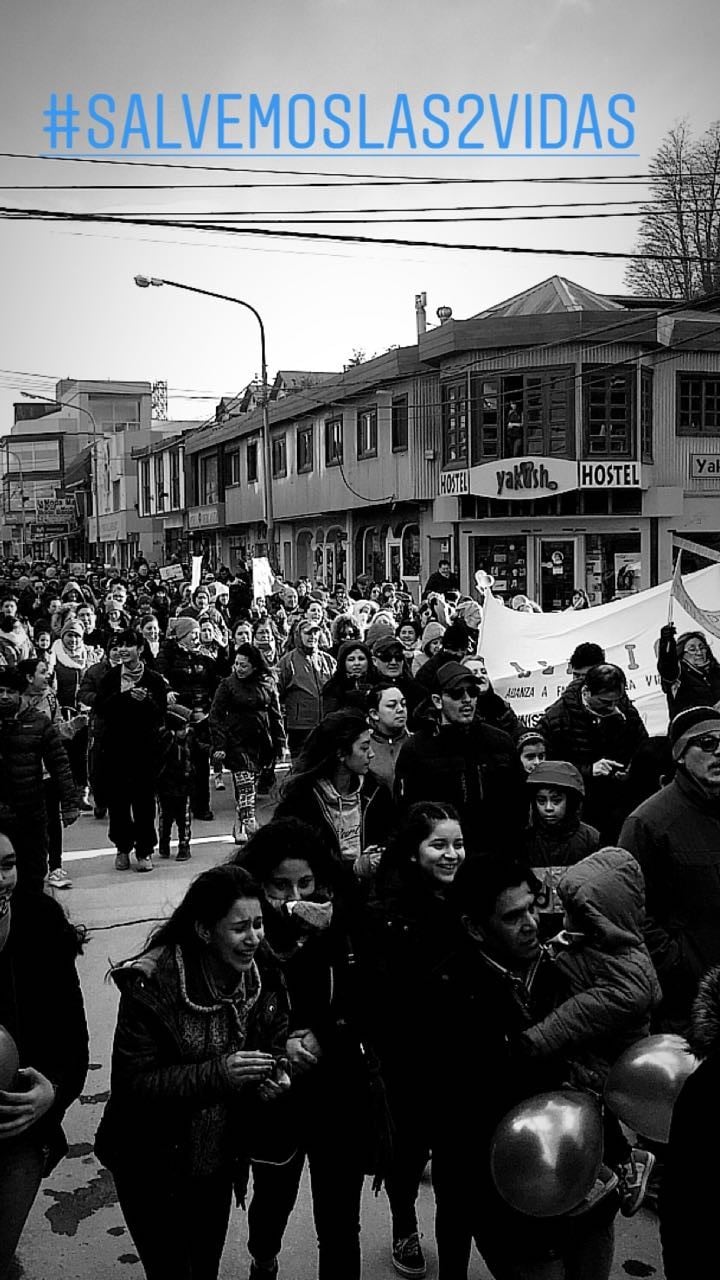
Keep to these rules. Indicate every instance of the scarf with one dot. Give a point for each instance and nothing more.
(130, 679)
(78, 662)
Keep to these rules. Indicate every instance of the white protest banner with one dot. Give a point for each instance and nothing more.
(196, 572)
(527, 654)
(171, 573)
(262, 576)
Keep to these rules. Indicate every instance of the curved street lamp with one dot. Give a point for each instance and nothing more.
(145, 282)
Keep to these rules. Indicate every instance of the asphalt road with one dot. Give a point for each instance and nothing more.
(76, 1230)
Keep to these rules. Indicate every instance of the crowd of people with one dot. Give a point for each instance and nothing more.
(447, 912)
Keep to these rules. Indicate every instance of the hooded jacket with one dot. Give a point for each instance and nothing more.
(675, 836)
(301, 680)
(245, 722)
(28, 741)
(341, 692)
(609, 972)
(688, 1205)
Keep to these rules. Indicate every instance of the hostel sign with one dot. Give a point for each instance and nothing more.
(517, 479)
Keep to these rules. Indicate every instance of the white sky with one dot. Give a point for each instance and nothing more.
(69, 305)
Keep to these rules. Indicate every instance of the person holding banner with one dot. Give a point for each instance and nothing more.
(689, 673)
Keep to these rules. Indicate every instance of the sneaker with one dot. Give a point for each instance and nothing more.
(122, 861)
(205, 817)
(240, 835)
(263, 1271)
(219, 782)
(408, 1258)
(143, 863)
(183, 854)
(634, 1178)
(59, 879)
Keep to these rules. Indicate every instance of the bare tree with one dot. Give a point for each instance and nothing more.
(682, 222)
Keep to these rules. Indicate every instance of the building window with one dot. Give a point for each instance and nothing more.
(233, 467)
(646, 415)
(454, 402)
(175, 480)
(698, 408)
(32, 455)
(251, 461)
(145, 500)
(399, 423)
(116, 495)
(278, 446)
(523, 414)
(333, 442)
(208, 479)
(304, 443)
(115, 414)
(367, 433)
(159, 483)
(608, 413)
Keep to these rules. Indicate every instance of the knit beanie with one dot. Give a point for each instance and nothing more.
(381, 625)
(433, 631)
(556, 773)
(72, 627)
(689, 724)
(183, 627)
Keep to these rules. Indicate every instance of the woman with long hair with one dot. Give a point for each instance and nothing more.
(45, 1034)
(247, 731)
(414, 943)
(305, 899)
(198, 1053)
(331, 788)
(352, 680)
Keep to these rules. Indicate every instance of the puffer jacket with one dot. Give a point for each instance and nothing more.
(684, 686)
(300, 686)
(675, 836)
(192, 676)
(28, 741)
(609, 972)
(245, 722)
(378, 816)
(159, 1083)
(687, 1205)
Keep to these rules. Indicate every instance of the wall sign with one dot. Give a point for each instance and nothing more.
(705, 466)
(609, 475)
(454, 484)
(522, 478)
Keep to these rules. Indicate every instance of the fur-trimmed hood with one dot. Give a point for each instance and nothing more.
(704, 1036)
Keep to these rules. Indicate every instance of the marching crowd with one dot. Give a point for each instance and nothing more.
(448, 912)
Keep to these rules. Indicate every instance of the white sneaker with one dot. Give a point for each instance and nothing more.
(59, 879)
(219, 783)
(240, 835)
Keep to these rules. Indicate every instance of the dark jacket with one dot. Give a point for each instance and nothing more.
(340, 692)
(684, 686)
(573, 733)
(162, 1076)
(246, 723)
(378, 815)
(675, 836)
(688, 1206)
(192, 676)
(41, 1005)
(494, 710)
(130, 729)
(476, 769)
(27, 742)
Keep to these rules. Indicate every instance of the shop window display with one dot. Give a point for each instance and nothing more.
(612, 566)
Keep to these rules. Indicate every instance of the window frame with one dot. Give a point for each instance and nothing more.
(334, 441)
(305, 448)
(627, 374)
(685, 376)
(454, 392)
(278, 456)
(233, 466)
(366, 432)
(646, 415)
(251, 461)
(159, 482)
(174, 479)
(540, 392)
(400, 423)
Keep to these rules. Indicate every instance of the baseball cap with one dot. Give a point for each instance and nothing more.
(451, 675)
(386, 645)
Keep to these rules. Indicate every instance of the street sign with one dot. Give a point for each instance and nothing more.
(56, 511)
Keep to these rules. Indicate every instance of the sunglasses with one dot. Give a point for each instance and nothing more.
(392, 655)
(709, 742)
(457, 695)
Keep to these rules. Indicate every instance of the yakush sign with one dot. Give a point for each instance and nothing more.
(518, 478)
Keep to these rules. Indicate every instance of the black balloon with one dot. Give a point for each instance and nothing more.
(547, 1151)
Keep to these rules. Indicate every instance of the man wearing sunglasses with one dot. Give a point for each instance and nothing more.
(675, 836)
(466, 763)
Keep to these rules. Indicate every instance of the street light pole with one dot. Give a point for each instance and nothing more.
(23, 527)
(97, 436)
(144, 282)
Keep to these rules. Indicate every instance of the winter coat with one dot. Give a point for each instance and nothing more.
(378, 816)
(573, 733)
(29, 742)
(687, 1204)
(164, 1081)
(610, 974)
(340, 692)
(385, 754)
(494, 710)
(684, 686)
(41, 1005)
(548, 850)
(474, 768)
(246, 723)
(300, 686)
(675, 836)
(192, 676)
(129, 728)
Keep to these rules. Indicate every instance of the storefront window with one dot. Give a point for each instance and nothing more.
(612, 566)
(411, 552)
(505, 559)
